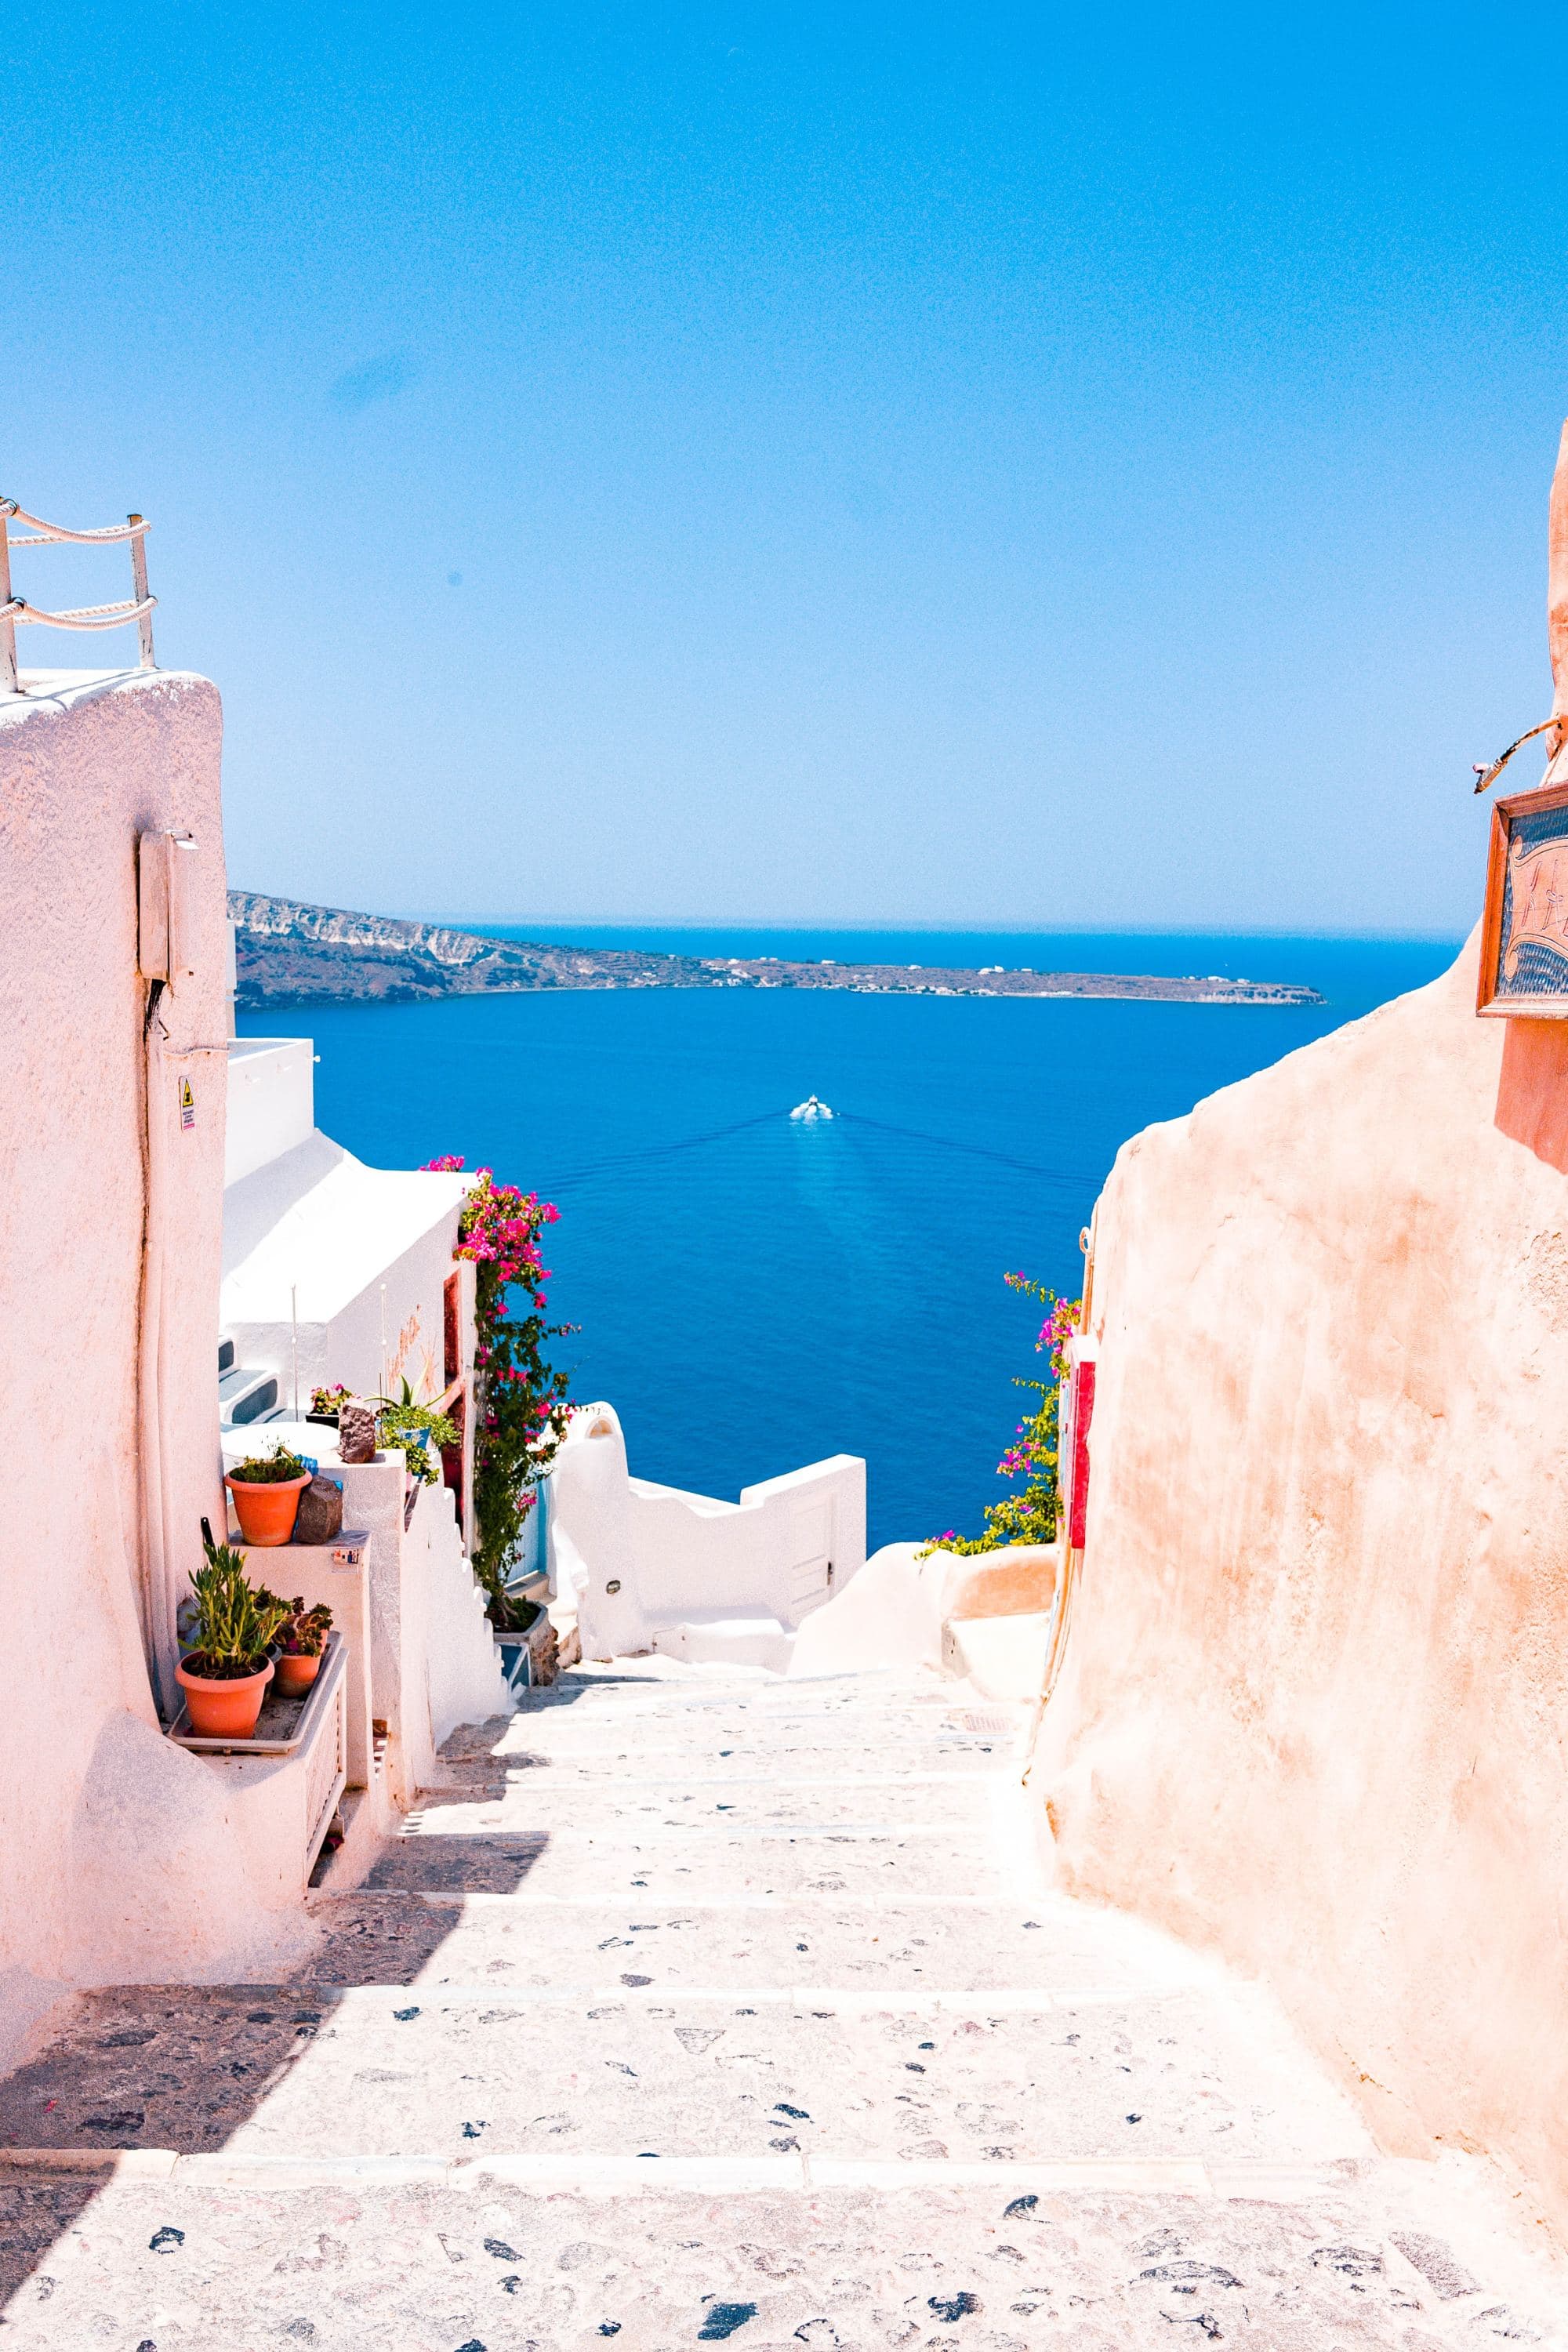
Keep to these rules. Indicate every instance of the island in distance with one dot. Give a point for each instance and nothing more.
(287, 953)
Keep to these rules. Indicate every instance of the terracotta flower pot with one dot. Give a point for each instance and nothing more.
(224, 1711)
(267, 1511)
(295, 1675)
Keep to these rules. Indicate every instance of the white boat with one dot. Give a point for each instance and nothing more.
(811, 1109)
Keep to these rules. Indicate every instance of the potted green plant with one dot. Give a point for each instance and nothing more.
(326, 1401)
(421, 1433)
(232, 1627)
(267, 1488)
(302, 1640)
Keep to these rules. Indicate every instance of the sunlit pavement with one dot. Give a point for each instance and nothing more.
(702, 2009)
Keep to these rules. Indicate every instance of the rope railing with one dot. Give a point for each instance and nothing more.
(16, 613)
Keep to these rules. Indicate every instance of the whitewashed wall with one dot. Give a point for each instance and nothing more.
(116, 1859)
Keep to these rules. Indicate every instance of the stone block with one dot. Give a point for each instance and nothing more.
(356, 1431)
(320, 1517)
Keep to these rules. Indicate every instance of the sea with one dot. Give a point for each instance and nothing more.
(754, 1293)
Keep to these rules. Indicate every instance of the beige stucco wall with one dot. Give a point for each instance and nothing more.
(1314, 1709)
(113, 1857)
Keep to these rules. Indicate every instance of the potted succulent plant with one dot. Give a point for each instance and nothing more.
(267, 1490)
(232, 1627)
(301, 1639)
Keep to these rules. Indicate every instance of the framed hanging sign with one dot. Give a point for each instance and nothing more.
(1524, 934)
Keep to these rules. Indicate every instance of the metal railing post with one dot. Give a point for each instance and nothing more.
(9, 681)
(139, 590)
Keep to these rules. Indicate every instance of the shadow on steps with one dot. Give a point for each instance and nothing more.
(184, 2066)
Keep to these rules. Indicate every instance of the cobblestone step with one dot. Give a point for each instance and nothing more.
(669, 1865)
(712, 1746)
(393, 2073)
(722, 1755)
(399, 1939)
(699, 2009)
(563, 1802)
(343, 2263)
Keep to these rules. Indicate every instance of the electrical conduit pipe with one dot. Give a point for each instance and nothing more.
(163, 958)
(162, 1655)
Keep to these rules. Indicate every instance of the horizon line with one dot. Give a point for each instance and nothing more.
(940, 931)
(845, 925)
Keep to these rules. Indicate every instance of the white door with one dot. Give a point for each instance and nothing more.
(811, 1561)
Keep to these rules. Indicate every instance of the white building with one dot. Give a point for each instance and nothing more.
(333, 1272)
(337, 1273)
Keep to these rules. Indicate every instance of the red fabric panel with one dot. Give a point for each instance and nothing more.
(450, 1334)
(452, 1455)
(1083, 1414)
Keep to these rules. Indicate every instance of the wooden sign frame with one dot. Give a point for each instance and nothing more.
(1524, 932)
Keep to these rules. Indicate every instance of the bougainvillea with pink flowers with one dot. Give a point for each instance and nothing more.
(520, 1406)
(1029, 1516)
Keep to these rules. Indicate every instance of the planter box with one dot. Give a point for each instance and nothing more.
(529, 1660)
(284, 1783)
(285, 1725)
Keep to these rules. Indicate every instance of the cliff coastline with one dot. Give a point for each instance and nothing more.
(287, 953)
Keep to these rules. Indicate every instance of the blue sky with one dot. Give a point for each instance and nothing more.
(739, 463)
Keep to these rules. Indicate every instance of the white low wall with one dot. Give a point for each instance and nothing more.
(463, 1677)
(653, 1568)
(891, 1616)
(271, 1097)
(904, 1606)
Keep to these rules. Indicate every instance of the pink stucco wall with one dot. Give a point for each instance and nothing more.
(1314, 1708)
(110, 1835)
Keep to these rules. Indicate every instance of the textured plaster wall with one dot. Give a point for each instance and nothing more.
(108, 1835)
(1314, 1709)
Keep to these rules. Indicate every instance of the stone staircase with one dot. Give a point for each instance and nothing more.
(703, 2007)
(244, 1394)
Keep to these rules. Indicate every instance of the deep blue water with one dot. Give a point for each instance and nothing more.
(754, 1294)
